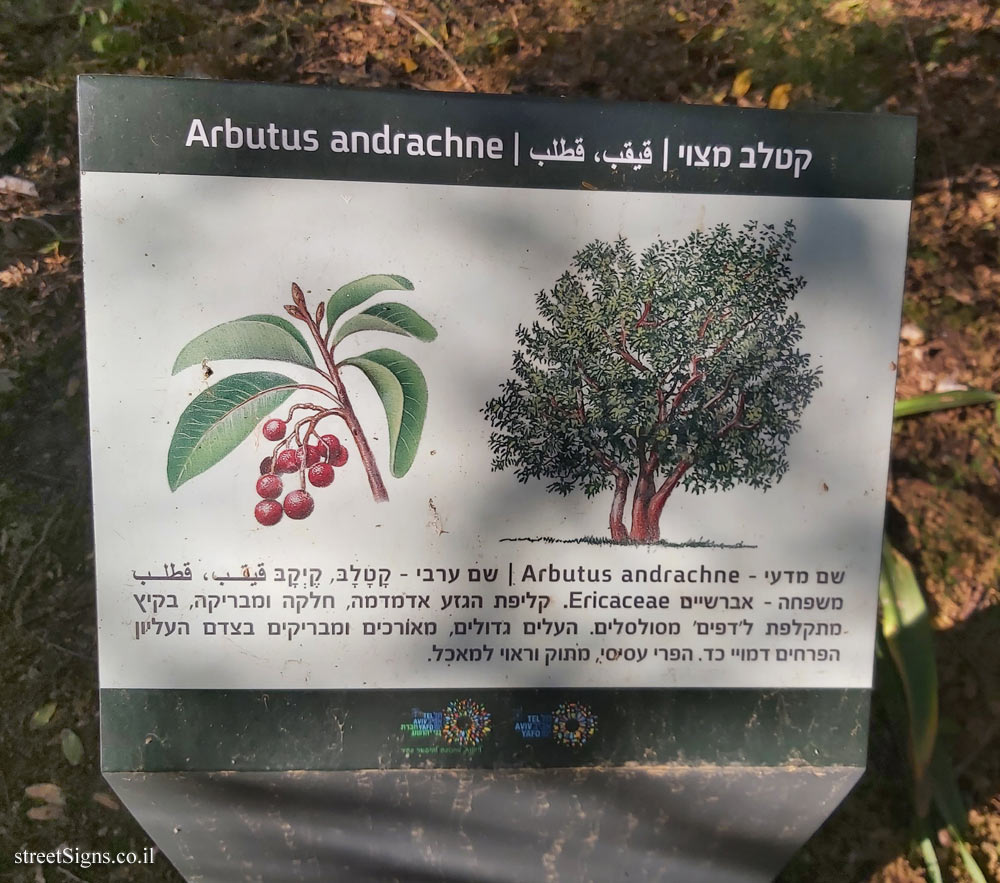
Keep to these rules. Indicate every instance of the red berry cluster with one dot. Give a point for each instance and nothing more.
(316, 462)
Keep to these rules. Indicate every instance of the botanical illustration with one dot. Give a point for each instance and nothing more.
(225, 414)
(676, 368)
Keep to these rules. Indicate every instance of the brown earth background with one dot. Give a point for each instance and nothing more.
(938, 59)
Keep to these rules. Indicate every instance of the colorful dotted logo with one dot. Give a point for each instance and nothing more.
(573, 723)
(466, 723)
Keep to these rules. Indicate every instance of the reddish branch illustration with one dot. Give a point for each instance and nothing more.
(676, 369)
(225, 414)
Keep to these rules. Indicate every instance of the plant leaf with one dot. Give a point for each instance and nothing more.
(47, 792)
(252, 337)
(72, 747)
(907, 632)
(106, 800)
(47, 813)
(401, 386)
(391, 317)
(930, 856)
(968, 859)
(741, 83)
(940, 401)
(950, 805)
(780, 95)
(357, 292)
(947, 797)
(42, 716)
(219, 419)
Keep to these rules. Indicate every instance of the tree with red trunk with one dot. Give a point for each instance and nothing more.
(678, 368)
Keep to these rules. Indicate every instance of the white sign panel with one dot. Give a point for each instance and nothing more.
(590, 412)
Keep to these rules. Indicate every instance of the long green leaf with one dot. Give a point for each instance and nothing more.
(219, 419)
(952, 809)
(907, 632)
(942, 784)
(947, 797)
(401, 386)
(968, 859)
(940, 401)
(252, 337)
(929, 855)
(391, 317)
(357, 292)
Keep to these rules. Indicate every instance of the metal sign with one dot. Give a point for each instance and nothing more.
(399, 392)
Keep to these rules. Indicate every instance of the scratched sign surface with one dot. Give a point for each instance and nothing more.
(435, 391)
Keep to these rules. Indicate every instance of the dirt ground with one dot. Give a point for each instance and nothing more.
(933, 58)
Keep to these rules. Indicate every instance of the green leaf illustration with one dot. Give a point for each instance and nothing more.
(252, 337)
(391, 317)
(357, 292)
(219, 419)
(401, 386)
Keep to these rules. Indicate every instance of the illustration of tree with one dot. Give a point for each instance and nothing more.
(676, 369)
(225, 414)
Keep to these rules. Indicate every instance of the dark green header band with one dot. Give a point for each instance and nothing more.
(201, 127)
(178, 730)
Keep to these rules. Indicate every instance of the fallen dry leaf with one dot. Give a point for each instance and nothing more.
(11, 184)
(15, 274)
(912, 334)
(949, 384)
(42, 716)
(779, 96)
(47, 813)
(46, 791)
(741, 83)
(106, 800)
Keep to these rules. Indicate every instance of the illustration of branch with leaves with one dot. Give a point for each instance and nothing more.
(218, 420)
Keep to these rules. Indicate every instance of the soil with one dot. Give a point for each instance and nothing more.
(933, 58)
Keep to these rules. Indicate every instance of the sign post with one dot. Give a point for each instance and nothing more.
(486, 488)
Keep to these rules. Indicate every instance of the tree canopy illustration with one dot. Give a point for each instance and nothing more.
(677, 368)
(220, 418)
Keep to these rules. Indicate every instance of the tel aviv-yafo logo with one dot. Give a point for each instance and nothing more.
(466, 723)
(571, 724)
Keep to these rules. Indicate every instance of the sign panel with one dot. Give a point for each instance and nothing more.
(415, 391)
